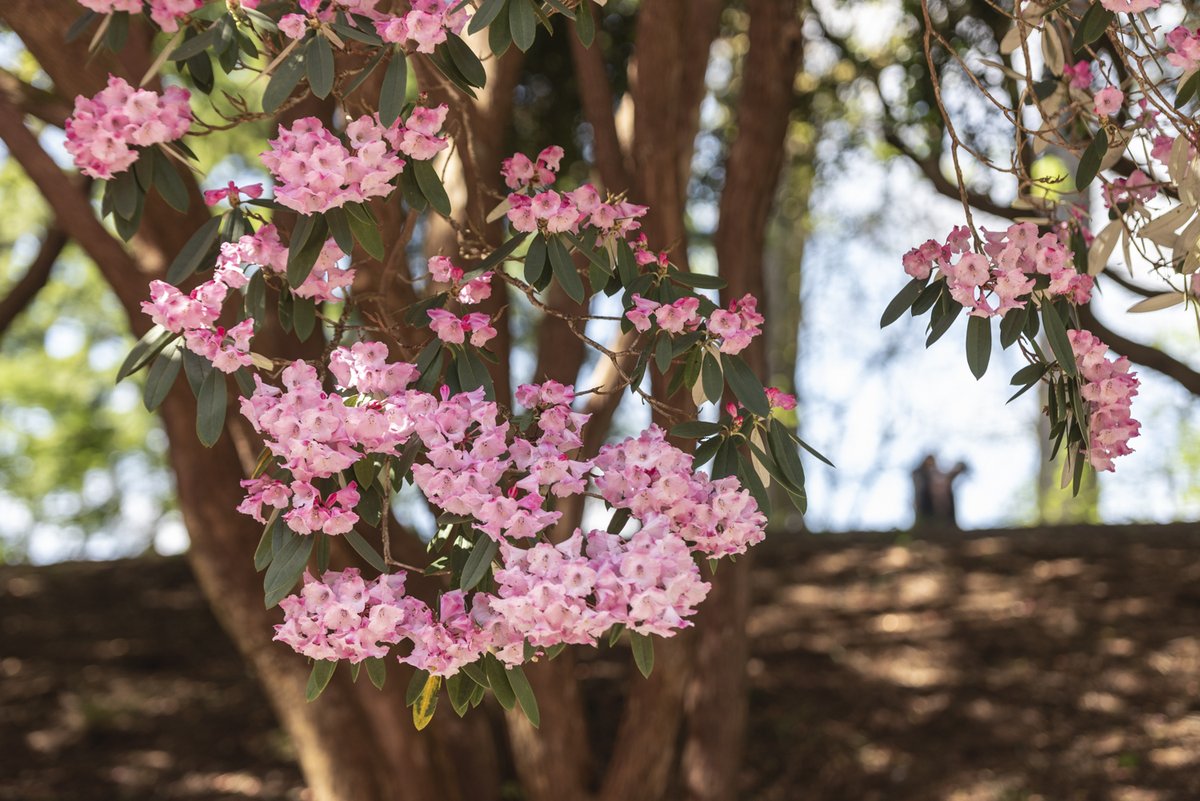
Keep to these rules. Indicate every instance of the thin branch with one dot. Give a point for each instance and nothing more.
(46, 106)
(21, 295)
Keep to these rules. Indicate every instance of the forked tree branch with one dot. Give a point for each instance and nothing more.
(1142, 354)
(35, 278)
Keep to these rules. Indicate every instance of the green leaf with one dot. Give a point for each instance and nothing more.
(283, 81)
(339, 226)
(643, 652)
(144, 350)
(497, 678)
(193, 252)
(535, 260)
(376, 671)
(488, 11)
(1011, 326)
(431, 186)
(903, 301)
(745, 385)
(415, 685)
(304, 317)
(712, 377)
(195, 45)
(620, 517)
(312, 231)
(161, 378)
(500, 254)
(318, 680)
(1188, 90)
(1030, 373)
(942, 323)
(210, 408)
(170, 186)
(1089, 162)
(465, 59)
(318, 60)
(585, 23)
(366, 231)
(479, 562)
(125, 193)
(364, 549)
(1060, 343)
(524, 693)
(695, 429)
(564, 268)
(589, 252)
(81, 24)
(1092, 26)
(783, 449)
(395, 89)
(522, 21)
(365, 72)
(979, 345)
(499, 33)
(697, 280)
(265, 551)
(286, 568)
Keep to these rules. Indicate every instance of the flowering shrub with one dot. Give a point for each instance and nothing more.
(1132, 133)
(343, 432)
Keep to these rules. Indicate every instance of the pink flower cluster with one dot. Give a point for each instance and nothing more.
(468, 293)
(165, 13)
(194, 315)
(1109, 389)
(1079, 74)
(557, 212)
(734, 328)
(317, 172)
(263, 248)
(1108, 101)
(426, 24)
(652, 478)
(341, 616)
(104, 130)
(474, 463)
(1130, 6)
(453, 330)
(1005, 272)
(1185, 48)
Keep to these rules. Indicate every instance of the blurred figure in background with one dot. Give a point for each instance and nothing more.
(933, 494)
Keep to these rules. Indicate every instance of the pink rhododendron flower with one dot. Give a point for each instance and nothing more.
(1108, 101)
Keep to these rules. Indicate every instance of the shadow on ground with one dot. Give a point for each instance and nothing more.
(1060, 664)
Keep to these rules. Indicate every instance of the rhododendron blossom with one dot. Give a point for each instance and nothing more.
(105, 130)
(1109, 390)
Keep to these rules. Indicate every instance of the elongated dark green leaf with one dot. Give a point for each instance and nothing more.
(745, 385)
(698, 280)
(1187, 91)
(265, 551)
(535, 260)
(1029, 373)
(522, 21)
(663, 352)
(301, 259)
(304, 317)
(564, 269)
(499, 33)
(783, 448)
(395, 89)
(1092, 26)
(713, 380)
(1060, 343)
(929, 296)
(161, 377)
(500, 254)
(365, 35)
(364, 549)
(524, 693)
(81, 24)
(143, 169)
(125, 193)
(376, 671)
(1011, 326)
(475, 673)
(469, 65)
(283, 81)
(431, 186)
(600, 260)
(479, 562)
(318, 680)
(979, 345)
(195, 45)
(725, 460)
(144, 350)
(168, 183)
(750, 479)
(941, 324)
(585, 23)
(210, 408)
(366, 231)
(193, 252)
(705, 451)
(196, 368)
(1089, 162)
(318, 60)
(903, 301)
(497, 678)
(643, 652)
(286, 568)
(487, 12)
(695, 429)
(362, 75)
(339, 226)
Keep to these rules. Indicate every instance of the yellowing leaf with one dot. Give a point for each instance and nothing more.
(1163, 301)
(426, 703)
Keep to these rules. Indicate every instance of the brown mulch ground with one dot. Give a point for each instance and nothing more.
(1060, 665)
